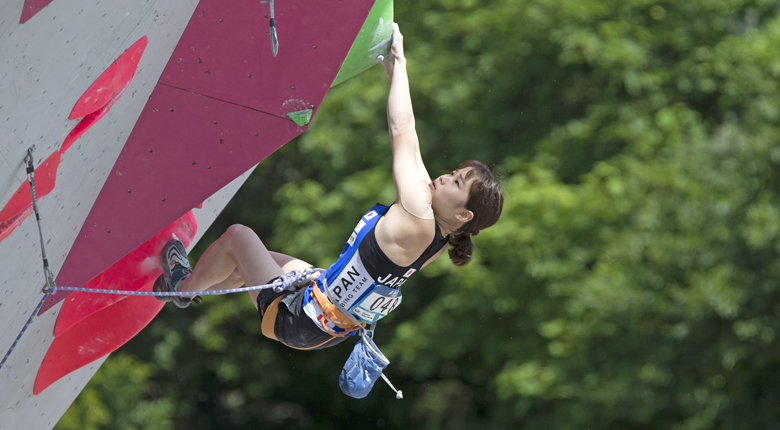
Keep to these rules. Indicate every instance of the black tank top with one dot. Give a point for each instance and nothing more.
(385, 271)
(363, 280)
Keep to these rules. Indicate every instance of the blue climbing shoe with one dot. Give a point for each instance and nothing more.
(176, 268)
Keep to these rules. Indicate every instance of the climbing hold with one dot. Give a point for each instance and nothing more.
(373, 40)
(301, 117)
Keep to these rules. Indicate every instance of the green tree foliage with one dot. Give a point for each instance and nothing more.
(116, 398)
(632, 279)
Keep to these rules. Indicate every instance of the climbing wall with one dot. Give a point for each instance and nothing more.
(46, 65)
(145, 119)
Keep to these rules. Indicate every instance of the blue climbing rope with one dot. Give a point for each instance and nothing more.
(288, 281)
(29, 321)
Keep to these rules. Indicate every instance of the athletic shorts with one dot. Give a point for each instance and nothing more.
(292, 326)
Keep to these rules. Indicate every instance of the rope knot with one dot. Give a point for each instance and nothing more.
(292, 279)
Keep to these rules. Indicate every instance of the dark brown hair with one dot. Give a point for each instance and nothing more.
(485, 202)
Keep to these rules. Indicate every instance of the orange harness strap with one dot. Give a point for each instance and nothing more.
(269, 318)
(335, 315)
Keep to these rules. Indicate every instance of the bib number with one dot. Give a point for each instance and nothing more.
(377, 304)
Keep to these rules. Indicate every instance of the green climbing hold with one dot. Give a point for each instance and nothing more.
(301, 117)
(373, 40)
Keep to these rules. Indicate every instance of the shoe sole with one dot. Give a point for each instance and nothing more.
(173, 251)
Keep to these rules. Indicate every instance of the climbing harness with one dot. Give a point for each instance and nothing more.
(339, 318)
(272, 24)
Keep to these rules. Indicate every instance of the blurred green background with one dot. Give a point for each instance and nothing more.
(632, 282)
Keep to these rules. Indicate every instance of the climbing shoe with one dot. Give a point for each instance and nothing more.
(176, 268)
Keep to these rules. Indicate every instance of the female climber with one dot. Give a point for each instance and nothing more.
(388, 245)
